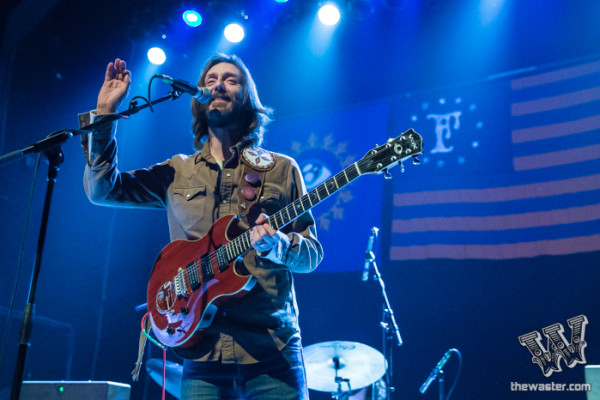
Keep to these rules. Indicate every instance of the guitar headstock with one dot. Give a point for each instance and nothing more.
(388, 155)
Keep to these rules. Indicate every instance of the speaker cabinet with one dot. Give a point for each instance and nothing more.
(74, 390)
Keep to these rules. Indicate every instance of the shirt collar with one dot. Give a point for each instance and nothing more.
(236, 150)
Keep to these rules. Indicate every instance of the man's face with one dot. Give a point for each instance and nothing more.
(224, 82)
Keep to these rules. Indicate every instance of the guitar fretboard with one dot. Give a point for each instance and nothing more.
(385, 156)
(289, 213)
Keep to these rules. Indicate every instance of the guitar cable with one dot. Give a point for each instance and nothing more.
(145, 332)
(164, 349)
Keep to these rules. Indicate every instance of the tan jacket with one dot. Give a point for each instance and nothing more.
(196, 192)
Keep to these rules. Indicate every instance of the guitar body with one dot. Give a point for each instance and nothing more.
(181, 300)
(190, 279)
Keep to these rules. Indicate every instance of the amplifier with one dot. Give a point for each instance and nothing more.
(592, 378)
(74, 390)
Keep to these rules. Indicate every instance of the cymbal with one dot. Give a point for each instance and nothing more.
(342, 366)
(173, 375)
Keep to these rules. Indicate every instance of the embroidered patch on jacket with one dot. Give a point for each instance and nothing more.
(258, 158)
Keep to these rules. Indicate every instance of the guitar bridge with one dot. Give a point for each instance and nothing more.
(181, 284)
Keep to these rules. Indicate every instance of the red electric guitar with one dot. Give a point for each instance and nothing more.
(191, 278)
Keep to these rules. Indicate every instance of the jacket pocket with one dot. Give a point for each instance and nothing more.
(189, 205)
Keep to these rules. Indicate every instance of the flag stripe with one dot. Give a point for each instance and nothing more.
(555, 76)
(534, 193)
(556, 158)
(490, 195)
(499, 222)
(499, 251)
(555, 102)
(556, 130)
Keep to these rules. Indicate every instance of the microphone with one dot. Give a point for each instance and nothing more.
(435, 371)
(202, 94)
(369, 256)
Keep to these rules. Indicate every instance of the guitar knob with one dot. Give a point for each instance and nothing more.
(388, 174)
(416, 161)
(170, 330)
(184, 310)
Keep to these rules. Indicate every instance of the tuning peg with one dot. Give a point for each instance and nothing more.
(387, 174)
(416, 161)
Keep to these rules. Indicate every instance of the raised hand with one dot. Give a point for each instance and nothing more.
(115, 86)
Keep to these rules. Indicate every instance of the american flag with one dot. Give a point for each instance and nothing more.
(511, 168)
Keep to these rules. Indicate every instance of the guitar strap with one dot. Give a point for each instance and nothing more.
(256, 163)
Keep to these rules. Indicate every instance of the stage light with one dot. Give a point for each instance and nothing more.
(234, 33)
(329, 14)
(281, 1)
(192, 18)
(157, 56)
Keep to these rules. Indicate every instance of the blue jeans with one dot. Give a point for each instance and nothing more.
(283, 385)
(281, 377)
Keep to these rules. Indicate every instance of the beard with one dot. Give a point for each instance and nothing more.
(223, 118)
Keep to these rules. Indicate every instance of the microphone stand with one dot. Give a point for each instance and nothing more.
(51, 148)
(391, 333)
(440, 380)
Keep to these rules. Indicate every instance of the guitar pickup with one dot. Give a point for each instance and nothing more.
(193, 275)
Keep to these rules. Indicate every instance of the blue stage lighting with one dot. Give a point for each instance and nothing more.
(157, 56)
(281, 1)
(192, 18)
(234, 33)
(329, 14)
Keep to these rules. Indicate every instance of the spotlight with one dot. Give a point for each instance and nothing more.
(234, 33)
(157, 56)
(329, 14)
(192, 18)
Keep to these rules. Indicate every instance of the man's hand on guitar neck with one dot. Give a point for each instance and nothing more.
(264, 238)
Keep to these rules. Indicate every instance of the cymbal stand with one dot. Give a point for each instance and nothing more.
(391, 333)
(340, 394)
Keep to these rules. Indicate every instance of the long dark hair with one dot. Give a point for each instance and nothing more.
(256, 116)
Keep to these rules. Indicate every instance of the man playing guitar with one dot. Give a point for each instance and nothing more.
(249, 346)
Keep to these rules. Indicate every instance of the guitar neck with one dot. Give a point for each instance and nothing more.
(377, 160)
(292, 211)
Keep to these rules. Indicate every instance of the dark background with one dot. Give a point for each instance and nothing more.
(97, 260)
